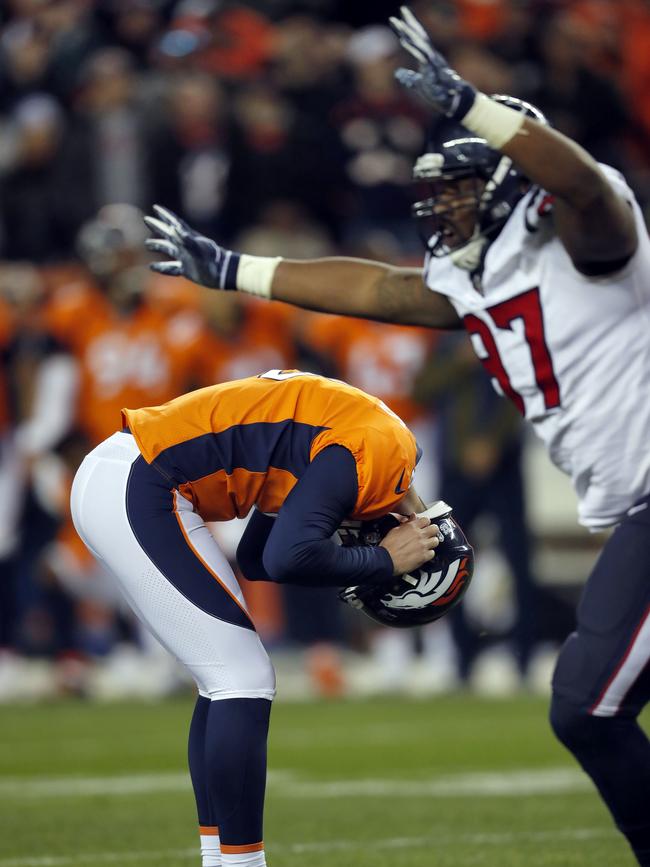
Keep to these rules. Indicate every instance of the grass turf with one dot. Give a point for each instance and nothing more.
(349, 785)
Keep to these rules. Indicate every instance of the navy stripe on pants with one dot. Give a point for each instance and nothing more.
(153, 519)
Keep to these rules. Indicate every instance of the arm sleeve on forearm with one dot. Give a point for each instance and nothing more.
(251, 546)
(300, 548)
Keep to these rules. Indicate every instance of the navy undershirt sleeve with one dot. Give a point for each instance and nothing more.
(251, 546)
(298, 548)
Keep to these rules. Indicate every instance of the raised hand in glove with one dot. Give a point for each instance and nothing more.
(435, 81)
(191, 254)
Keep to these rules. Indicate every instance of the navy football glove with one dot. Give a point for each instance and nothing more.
(190, 254)
(435, 81)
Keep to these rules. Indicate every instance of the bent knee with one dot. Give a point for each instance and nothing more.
(572, 686)
(255, 680)
(585, 734)
(569, 722)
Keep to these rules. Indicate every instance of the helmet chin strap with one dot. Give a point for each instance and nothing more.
(468, 257)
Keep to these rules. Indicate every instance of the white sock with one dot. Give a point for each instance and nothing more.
(210, 847)
(254, 858)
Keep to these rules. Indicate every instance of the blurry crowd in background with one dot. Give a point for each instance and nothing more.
(277, 127)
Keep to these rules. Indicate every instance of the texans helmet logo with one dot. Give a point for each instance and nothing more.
(432, 588)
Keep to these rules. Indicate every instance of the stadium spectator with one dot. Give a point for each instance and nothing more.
(23, 61)
(72, 33)
(576, 97)
(241, 44)
(380, 133)
(105, 146)
(190, 148)
(309, 64)
(33, 190)
(134, 25)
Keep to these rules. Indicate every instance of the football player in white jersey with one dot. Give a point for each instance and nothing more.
(543, 256)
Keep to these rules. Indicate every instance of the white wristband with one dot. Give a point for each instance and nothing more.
(494, 122)
(255, 274)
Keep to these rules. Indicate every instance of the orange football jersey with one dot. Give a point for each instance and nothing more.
(375, 357)
(229, 447)
(261, 340)
(140, 358)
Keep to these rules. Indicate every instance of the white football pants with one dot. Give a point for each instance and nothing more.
(170, 570)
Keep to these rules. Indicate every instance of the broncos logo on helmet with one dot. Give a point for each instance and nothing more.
(432, 588)
(413, 599)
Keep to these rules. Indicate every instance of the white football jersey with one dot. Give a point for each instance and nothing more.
(572, 352)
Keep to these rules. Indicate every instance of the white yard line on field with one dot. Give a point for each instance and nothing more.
(98, 858)
(438, 841)
(285, 784)
(74, 787)
(449, 840)
(503, 784)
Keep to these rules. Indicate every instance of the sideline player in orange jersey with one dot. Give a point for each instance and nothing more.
(126, 351)
(242, 339)
(381, 359)
(121, 349)
(313, 451)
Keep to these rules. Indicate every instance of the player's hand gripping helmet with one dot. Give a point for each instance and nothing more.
(471, 189)
(427, 593)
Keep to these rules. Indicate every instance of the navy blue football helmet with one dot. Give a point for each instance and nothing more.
(463, 173)
(427, 593)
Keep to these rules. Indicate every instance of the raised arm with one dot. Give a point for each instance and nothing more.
(593, 221)
(349, 287)
(595, 224)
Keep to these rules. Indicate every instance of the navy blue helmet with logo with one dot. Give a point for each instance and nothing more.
(492, 187)
(426, 593)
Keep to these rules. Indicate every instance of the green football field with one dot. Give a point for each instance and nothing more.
(381, 783)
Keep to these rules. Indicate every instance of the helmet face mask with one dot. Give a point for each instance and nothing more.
(426, 593)
(448, 215)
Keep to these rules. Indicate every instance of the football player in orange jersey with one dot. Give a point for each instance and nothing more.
(121, 351)
(243, 339)
(310, 450)
(381, 359)
(127, 351)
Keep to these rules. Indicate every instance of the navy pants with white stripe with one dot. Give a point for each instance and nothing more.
(602, 679)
